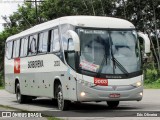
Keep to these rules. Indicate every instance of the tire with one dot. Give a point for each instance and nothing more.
(62, 104)
(112, 104)
(19, 96)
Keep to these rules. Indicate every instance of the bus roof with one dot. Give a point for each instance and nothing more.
(82, 21)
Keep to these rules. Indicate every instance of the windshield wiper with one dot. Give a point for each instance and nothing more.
(119, 65)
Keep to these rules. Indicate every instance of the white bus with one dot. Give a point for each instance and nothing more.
(76, 58)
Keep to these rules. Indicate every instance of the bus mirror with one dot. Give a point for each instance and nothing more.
(70, 46)
(146, 42)
(73, 36)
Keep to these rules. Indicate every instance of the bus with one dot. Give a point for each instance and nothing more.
(76, 59)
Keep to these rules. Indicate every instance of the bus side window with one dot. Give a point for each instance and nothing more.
(16, 48)
(43, 42)
(32, 45)
(24, 47)
(9, 49)
(55, 44)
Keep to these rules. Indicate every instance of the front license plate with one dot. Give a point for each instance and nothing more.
(114, 95)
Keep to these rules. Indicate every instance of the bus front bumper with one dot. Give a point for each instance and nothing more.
(105, 93)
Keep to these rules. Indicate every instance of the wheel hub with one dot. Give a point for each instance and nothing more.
(60, 100)
(18, 95)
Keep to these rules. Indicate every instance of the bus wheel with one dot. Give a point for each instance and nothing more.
(20, 98)
(112, 104)
(62, 104)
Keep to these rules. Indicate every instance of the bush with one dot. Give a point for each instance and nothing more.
(157, 81)
(151, 75)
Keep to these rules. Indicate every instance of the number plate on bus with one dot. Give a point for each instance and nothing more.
(114, 95)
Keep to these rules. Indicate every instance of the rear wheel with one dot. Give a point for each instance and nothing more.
(112, 104)
(62, 104)
(19, 96)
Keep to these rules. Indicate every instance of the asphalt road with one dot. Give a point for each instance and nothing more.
(149, 104)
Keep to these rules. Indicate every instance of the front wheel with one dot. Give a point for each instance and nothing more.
(62, 104)
(112, 104)
(19, 96)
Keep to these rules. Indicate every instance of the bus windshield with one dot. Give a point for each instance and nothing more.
(109, 51)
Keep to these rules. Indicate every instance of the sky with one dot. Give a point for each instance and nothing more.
(7, 7)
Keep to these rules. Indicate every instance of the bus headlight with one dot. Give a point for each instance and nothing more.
(137, 84)
(141, 94)
(83, 94)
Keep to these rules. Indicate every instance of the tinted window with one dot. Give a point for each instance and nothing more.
(43, 41)
(9, 49)
(55, 45)
(16, 48)
(24, 47)
(32, 45)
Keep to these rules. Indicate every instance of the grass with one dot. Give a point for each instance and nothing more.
(1, 87)
(53, 118)
(12, 108)
(154, 85)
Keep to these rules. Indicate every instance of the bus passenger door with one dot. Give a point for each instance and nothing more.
(71, 78)
(71, 71)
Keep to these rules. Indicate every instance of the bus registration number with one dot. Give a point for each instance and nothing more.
(114, 95)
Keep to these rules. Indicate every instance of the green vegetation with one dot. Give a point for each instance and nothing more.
(153, 85)
(144, 14)
(1, 87)
(11, 108)
(152, 77)
(53, 118)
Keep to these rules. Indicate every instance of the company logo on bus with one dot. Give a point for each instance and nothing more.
(17, 65)
(114, 87)
(101, 81)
